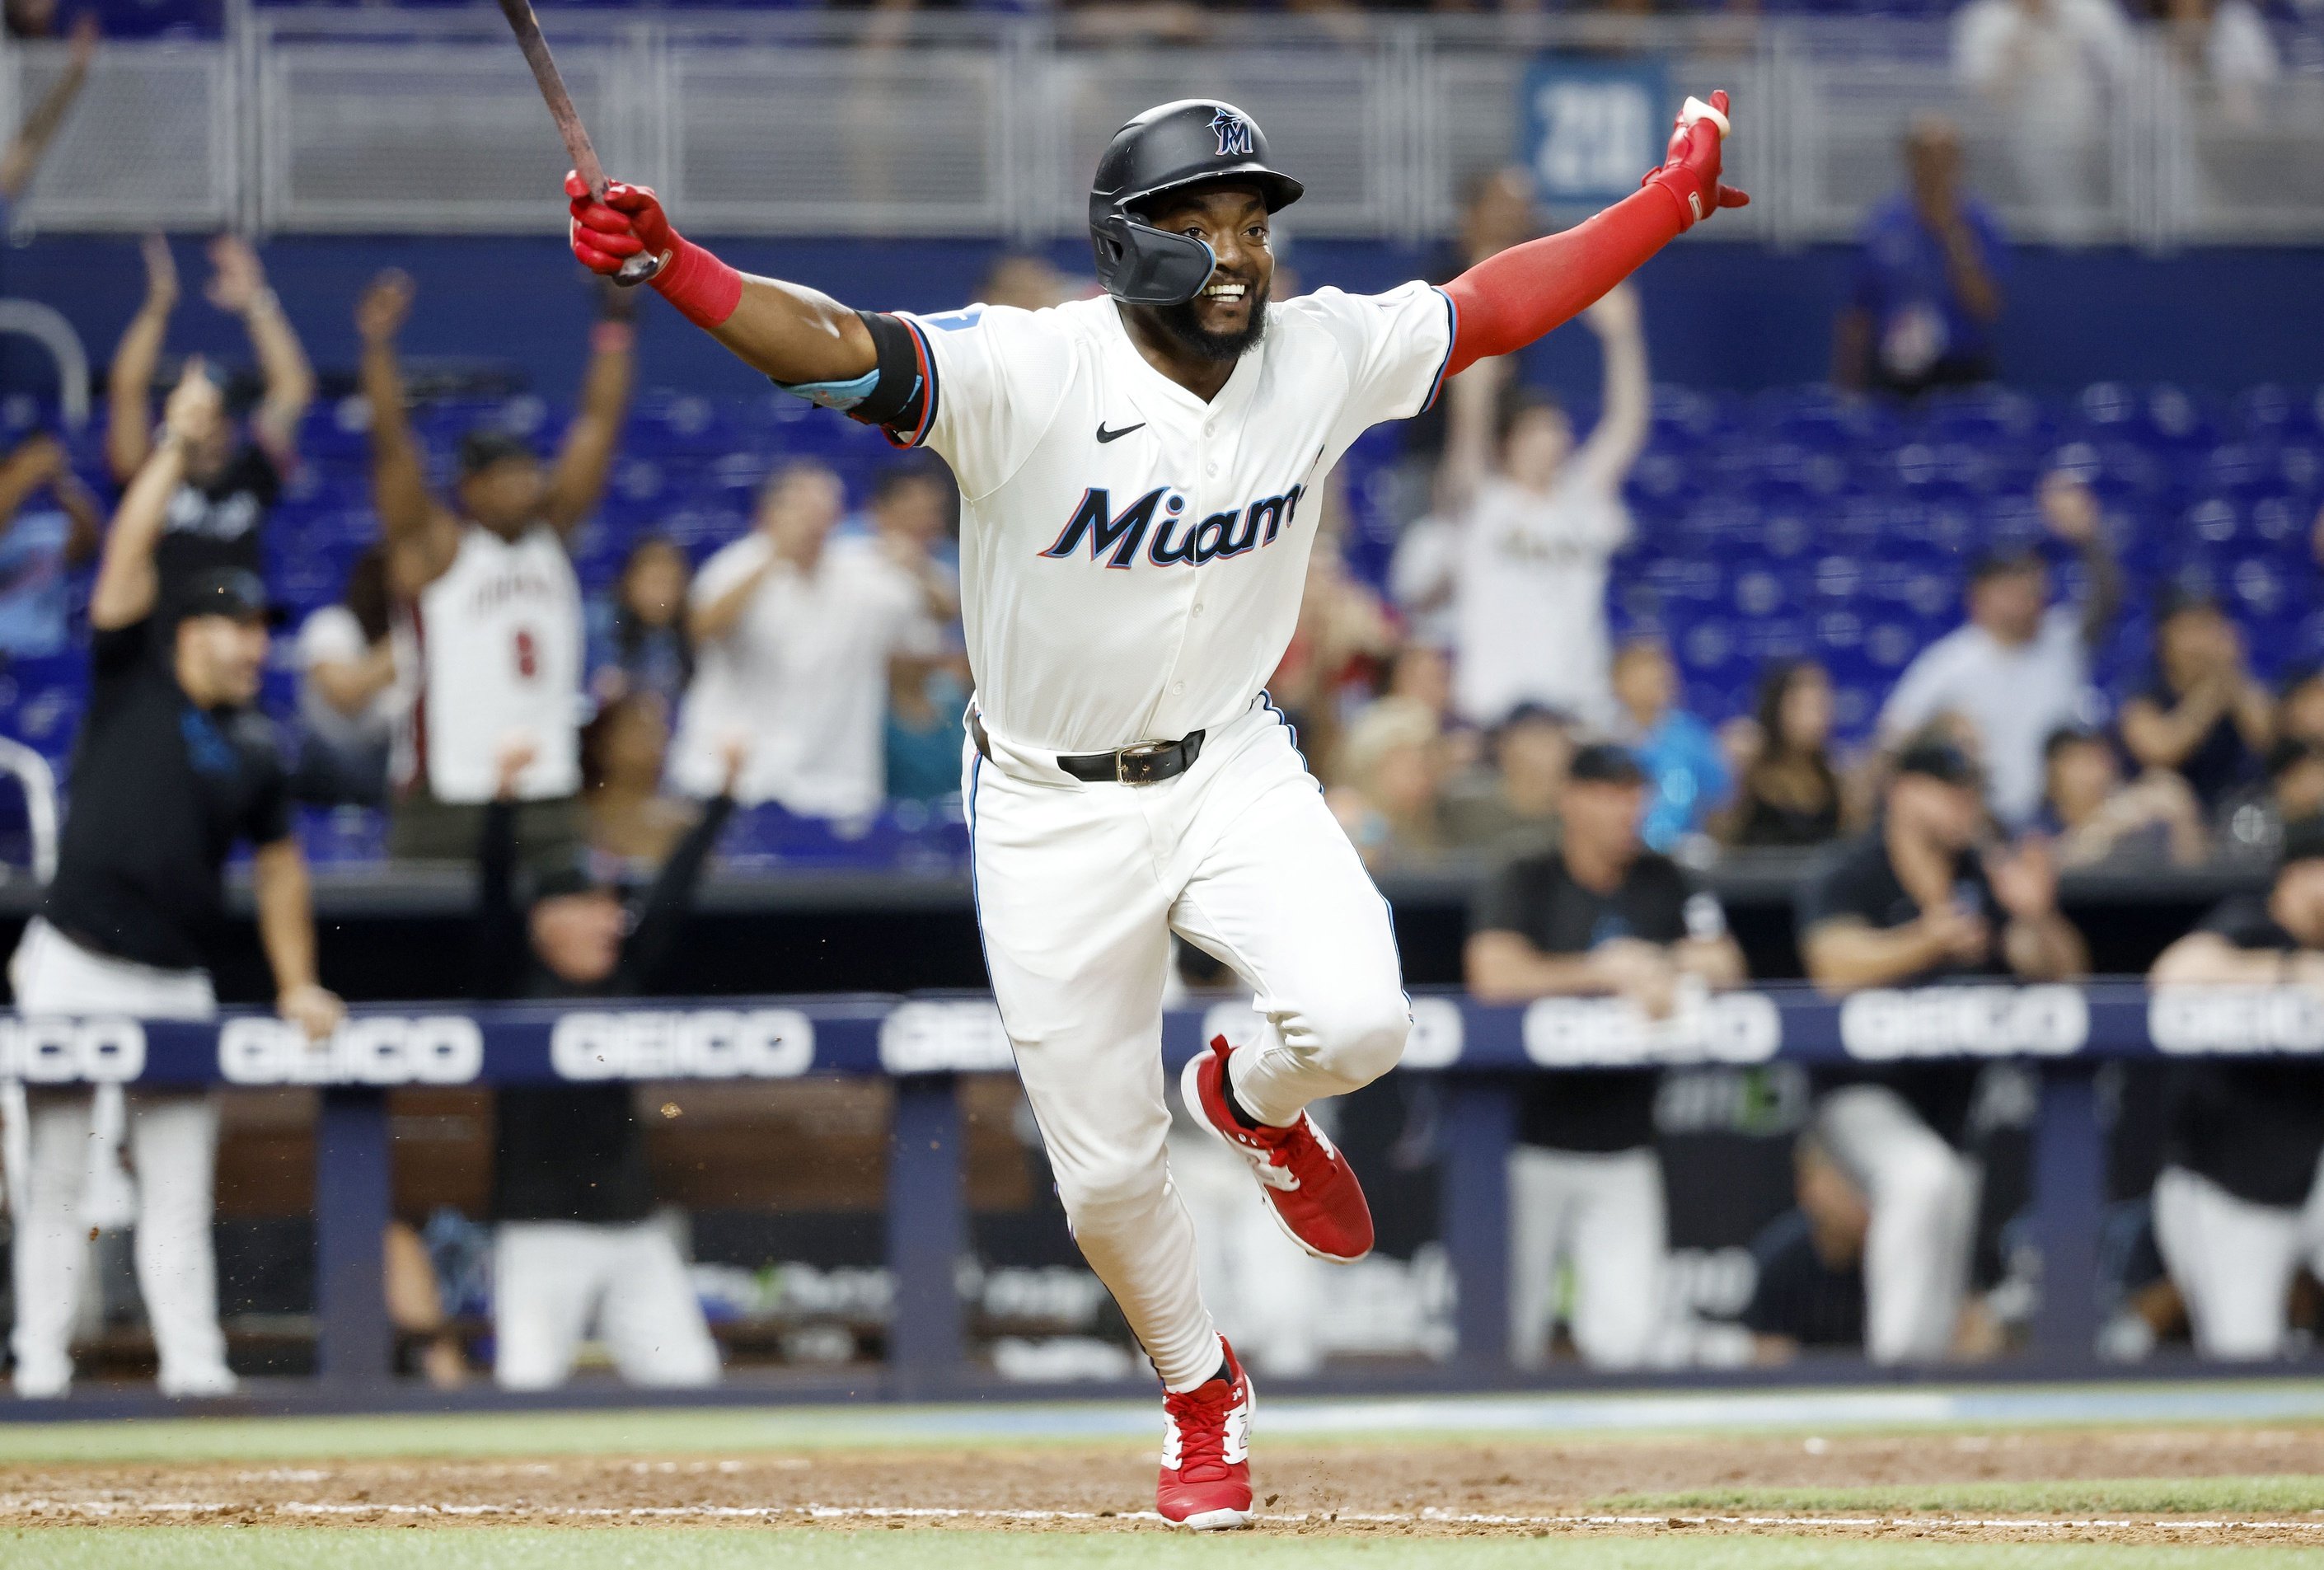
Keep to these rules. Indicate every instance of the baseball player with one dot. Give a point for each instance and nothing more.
(1137, 474)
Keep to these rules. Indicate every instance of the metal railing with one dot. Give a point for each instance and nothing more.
(811, 123)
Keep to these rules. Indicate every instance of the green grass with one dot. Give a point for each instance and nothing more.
(319, 1548)
(667, 1431)
(741, 1430)
(2289, 1494)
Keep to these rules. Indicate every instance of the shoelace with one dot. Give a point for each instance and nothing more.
(1201, 1417)
(1278, 1159)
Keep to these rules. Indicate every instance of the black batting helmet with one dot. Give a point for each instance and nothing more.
(1177, 145)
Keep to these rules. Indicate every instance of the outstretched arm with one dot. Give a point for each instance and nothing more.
(239, 286)
(1626, 403)
(22, 159)
(129, 430)
(127, 582)
(578, 482)
(790, 333)
(1509, 299)
(421, 540)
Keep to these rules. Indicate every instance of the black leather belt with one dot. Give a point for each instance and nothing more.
(1146, 763)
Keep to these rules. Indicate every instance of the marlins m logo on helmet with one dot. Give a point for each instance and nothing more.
(1234, 134)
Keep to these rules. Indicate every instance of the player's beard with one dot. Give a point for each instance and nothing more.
(1219, 348)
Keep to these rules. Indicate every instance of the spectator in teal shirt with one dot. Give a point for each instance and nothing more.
(1687, 776)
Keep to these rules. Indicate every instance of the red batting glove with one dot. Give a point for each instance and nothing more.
(630, 220)
(1691, 171)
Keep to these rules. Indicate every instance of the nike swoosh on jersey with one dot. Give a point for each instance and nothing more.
(1104, 436)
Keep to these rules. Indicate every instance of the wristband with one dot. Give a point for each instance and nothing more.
(612, 338)
(705, 289)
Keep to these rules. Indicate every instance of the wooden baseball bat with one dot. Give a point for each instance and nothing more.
(576, 135)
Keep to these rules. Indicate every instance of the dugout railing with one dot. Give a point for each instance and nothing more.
(924, 1045)
(813, 123)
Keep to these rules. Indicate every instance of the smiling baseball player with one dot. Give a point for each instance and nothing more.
(1136, 474)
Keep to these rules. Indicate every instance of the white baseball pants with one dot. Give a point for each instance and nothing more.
(1266, 1294)
(2233, 1261)
(551, 1280)
(1924, 1196)
(173, 1146)
(1078, 889)
(1602, 1214)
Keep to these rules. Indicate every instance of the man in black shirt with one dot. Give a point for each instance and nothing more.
(2238, 1206)
(1810, 1286)
(228, 487)
(572, 1193)
(1912, 901)
(1596, 914)
(173, 767)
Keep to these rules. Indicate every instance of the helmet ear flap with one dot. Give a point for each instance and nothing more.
(1140, 264)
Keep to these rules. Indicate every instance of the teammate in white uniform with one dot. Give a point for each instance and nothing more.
(490, 611)
(1135, 474)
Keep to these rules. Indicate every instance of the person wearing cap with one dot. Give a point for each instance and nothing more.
(486, 596)
(2203, 714)
(2020, 668)
(2239, 1203)
(1917, 899)
(1144, 478)
(577, 1242)
(173, 767)
(232, 480)
(1596, 914)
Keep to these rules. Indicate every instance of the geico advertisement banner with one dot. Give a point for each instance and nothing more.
(368, 1050)
(2196, 1020)
(683, 1044)
(1881, 1025)
(94, 1051)
(1615, 1033)
(963, 1037)
(595, 1044)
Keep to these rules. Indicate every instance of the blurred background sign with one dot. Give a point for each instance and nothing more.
(1588, 127)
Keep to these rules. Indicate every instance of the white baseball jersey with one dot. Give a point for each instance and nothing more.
(1131, 557)
(497, 642)
(1529, 598)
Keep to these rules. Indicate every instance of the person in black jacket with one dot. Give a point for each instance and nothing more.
(2238, 1208)
(174, 766)
(572, 1195)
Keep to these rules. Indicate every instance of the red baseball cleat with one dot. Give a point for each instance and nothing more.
(1309, 1186)
(1205, 1480)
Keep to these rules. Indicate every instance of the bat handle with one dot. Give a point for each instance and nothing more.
(637, 270)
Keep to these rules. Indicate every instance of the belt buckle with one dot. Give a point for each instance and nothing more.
(1128, 763)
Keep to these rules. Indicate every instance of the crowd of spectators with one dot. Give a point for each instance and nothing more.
(1440, 705)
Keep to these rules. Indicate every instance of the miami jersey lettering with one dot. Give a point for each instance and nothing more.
(1132, 557)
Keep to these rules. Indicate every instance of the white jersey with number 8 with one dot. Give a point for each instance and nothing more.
(497, 641)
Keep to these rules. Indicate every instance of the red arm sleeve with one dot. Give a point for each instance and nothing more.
(1510, 298)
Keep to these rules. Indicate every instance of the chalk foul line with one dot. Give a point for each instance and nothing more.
(102, 1508)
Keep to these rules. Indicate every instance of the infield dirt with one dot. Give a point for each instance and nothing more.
(1432, 1487)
